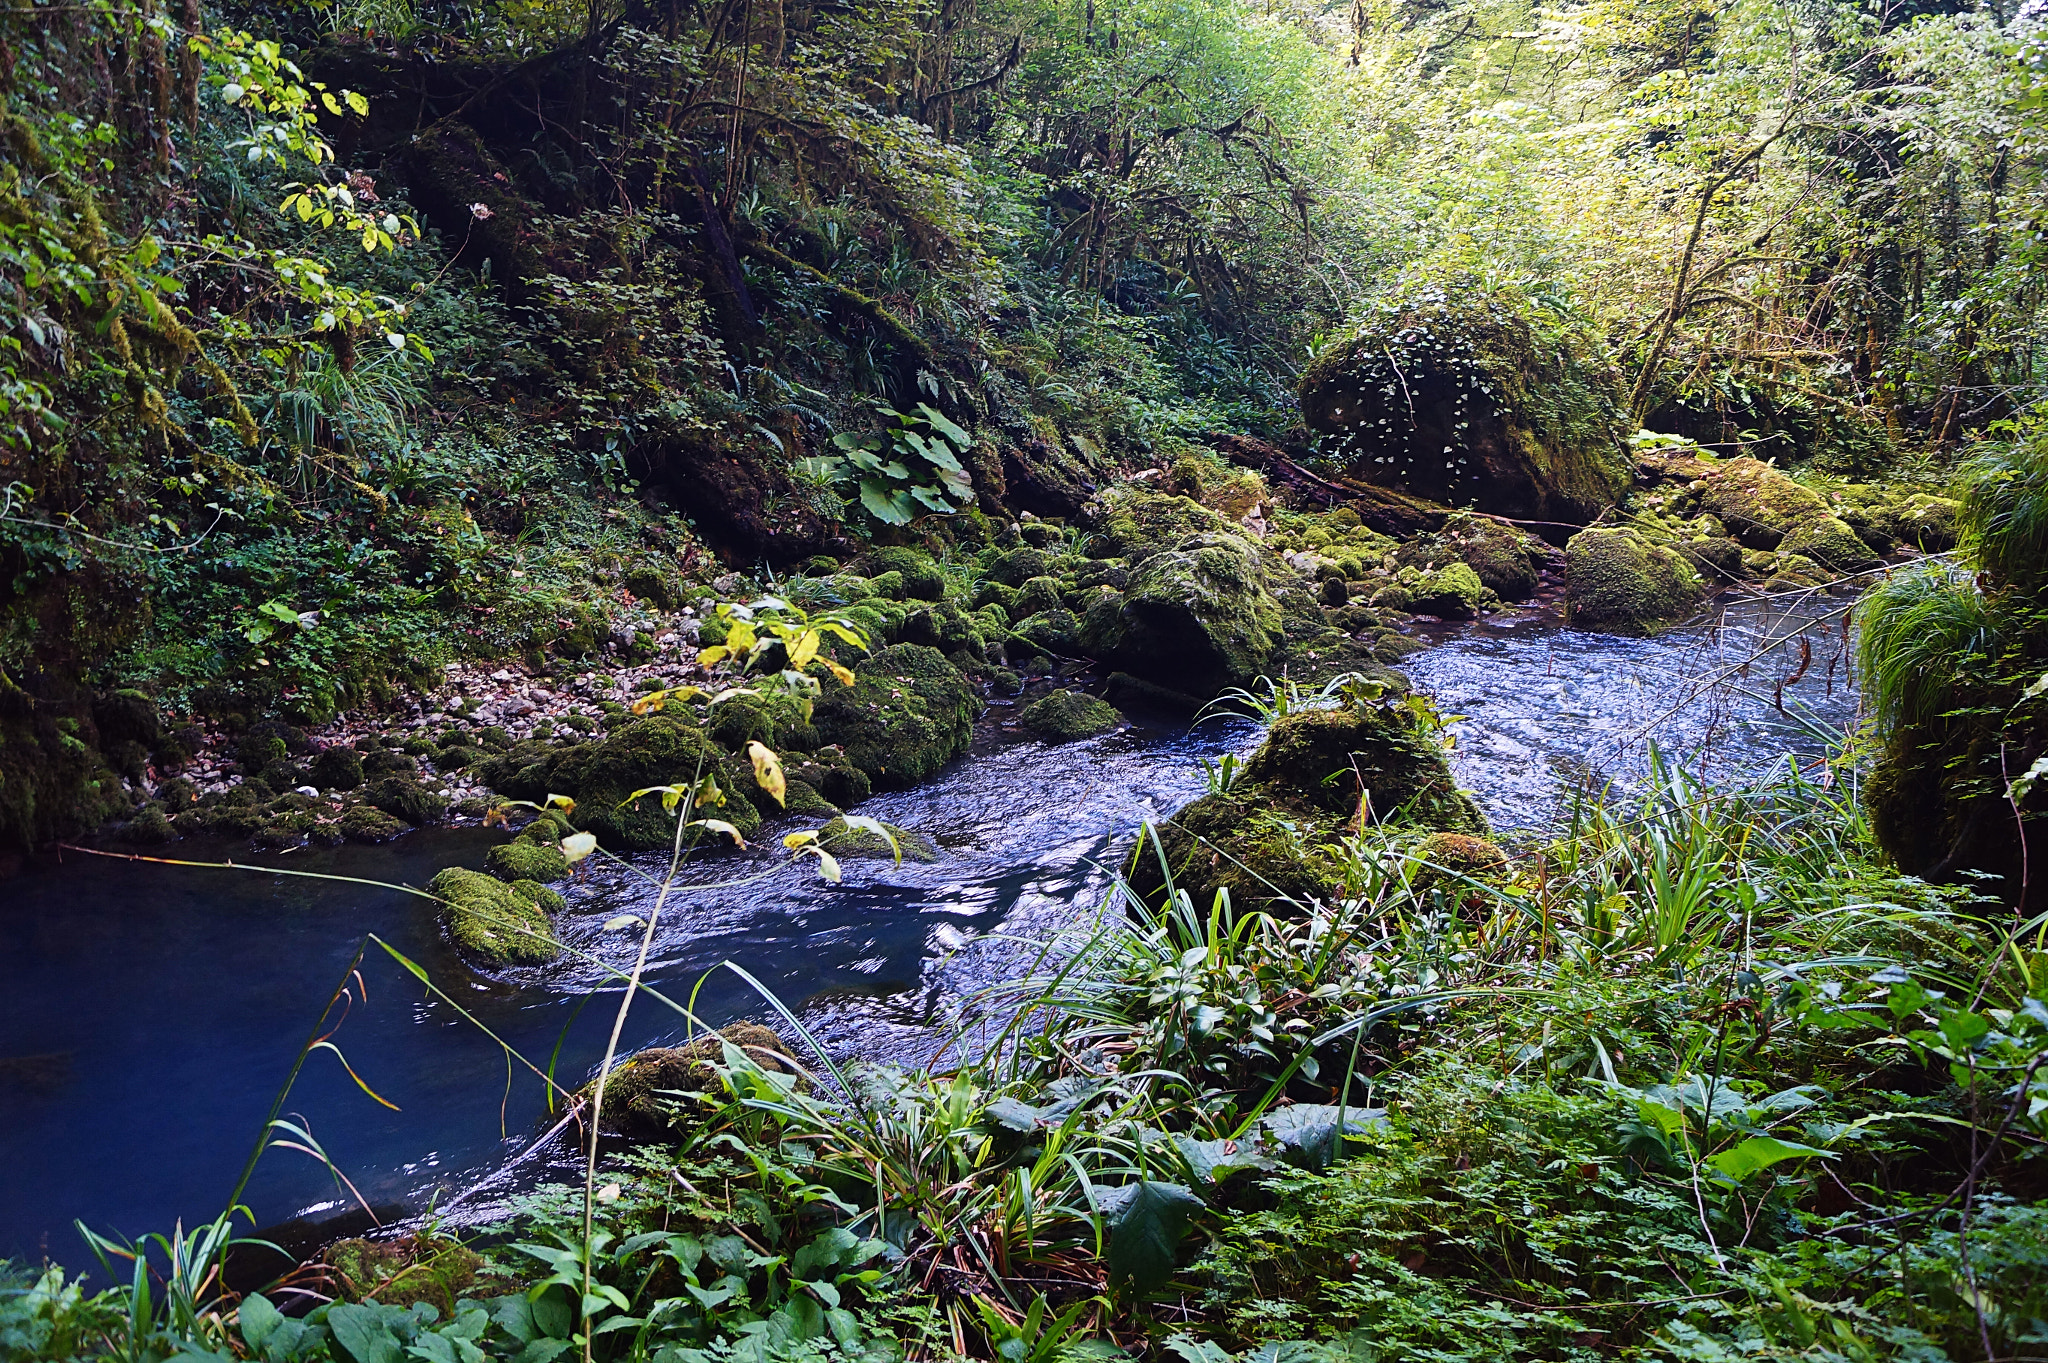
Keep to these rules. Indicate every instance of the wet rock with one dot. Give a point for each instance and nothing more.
(1758, 504)
(404, 798)
(1065, 716)
(1830, 542)
(524, 860)
(1616, 582)
(908, 713)
(494, 921)
(1271, 838)
(1504, 560)
(367, 823)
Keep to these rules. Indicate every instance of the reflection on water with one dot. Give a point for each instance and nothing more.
(148, 1014)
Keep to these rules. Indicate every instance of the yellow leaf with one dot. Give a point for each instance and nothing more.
(796, 840)
(650, 703)
(768, 771)
(577, 846)
(720, 826)
(828, 866)
(713, 655)
(563, 803)
(805, 648)
(741, 638)
(844, 674)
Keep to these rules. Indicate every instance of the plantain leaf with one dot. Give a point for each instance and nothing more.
(1147, 1220)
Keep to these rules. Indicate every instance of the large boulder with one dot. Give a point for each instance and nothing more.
(1759, 505)
(908, 713)
(1470, 397)
(1505, 561)
(1321, 774)
(1196, 612)
(1617, 582)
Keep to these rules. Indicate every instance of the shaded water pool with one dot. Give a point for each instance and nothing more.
(149, 1014)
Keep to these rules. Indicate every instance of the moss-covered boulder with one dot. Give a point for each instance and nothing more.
(338, 769)
(908, 713)
(1505, 561)
(1927, 522)
(1472, 397)
(418, 1268)
(367, 823)
(1451, 858)
(523, 860)
(404, 798)
(645, 1095)
(1453, 591)
(1197, 612)
(1830, 542)
(660, 750)
(1064, 716)
(495, 921)
(921, 579)
(1758, 504)
(1271, 838)
(1617, 582)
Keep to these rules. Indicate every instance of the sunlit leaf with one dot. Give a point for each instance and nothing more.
(577, 846)
(768, 771)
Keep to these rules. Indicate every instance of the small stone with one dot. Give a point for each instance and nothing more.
(307, 790)
(501, 675)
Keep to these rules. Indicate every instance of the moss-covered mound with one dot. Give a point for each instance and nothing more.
(521, 860)
(1472, 398)
(1504, 560)
(1448, 858)
(642, 1098)
(657, 751)
(1064, 716)
(1196, 612)
(497, 922)
(1321, 774)
(908, 713)
(1617, 582)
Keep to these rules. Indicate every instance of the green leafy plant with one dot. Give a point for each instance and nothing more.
(910, 468)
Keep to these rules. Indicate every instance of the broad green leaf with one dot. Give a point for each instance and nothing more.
(945, 426)
(1760, 1152)
(1147, 1222)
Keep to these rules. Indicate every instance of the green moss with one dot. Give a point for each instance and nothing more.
(1272, 837)
(659, 750)
(498, 922)
(404, 798)
(1470, 396)
(1064, 716)
(367, 823)
(1014, 567)
(1830, 542)
(945, 627)
(520, 860)
(1502, 558)
(888, 586)
(1927, 522)
(1758, 504)
(802, 800)
(908, 713)
(1056, 633)
(338, 769)
(921, 578)
(1618, 583)
(847, 843)
(404, 1272)
(1445, 857)
(642, 1095)
(1035, 595)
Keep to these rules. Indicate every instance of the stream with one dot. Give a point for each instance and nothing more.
(149, 1014)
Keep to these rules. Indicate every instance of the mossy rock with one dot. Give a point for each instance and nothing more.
(1271, 838)
(921, 578)
(1504, 560)
(496, 921)
(1470, 396)
(1016, 566)
(255, 751)
(1616, 582)
(338, 769)
(1054, 633)
(945, 627)
(1796, 573)
(1758, 504)
(659, 750)
(367, 823)
(425, 747)
(1445, 858)
(151, 825)
(521, 860)
(848, 843)
(908, 713)
(1717, 559)
(801, 799)
(282, 774)
(1197, 613)
(390, 763)
(888, 586)
(279, 832)
(405, 1272)
(1037, 594)
(1451, 592)
(638, 1097)
(1064, 716)
(1830, 542)
(404, 798)
(1927, 522)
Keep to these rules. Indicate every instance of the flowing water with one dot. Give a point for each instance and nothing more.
(149, 1014)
